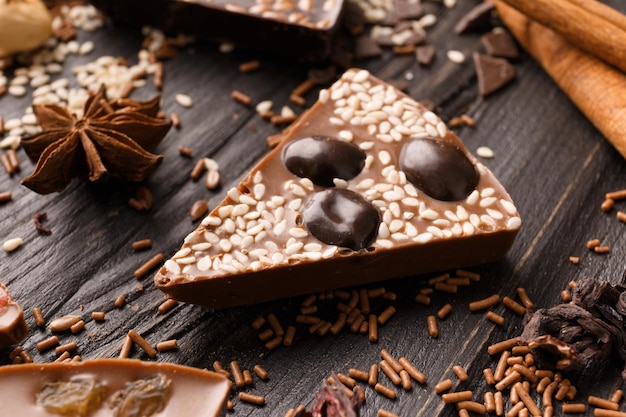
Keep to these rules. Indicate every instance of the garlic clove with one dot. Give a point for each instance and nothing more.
(24, 25)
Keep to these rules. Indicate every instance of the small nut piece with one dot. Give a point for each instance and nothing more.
(24, 25)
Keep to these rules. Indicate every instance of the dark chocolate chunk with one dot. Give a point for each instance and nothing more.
(341, 217)
(492, 73)
(478, 19)
(322, 159)
(425, 54)
(500, 44)
(439, 169)
(353, 18)
(365, 48)
(408, 10)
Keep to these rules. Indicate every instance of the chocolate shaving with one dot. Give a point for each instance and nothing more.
(38, 219)
(584, 334)
(332, 401)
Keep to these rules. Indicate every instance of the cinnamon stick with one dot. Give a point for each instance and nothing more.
(591, 26)
(595, 87)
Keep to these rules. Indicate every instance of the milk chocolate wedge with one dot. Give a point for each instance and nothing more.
(13, 328)
(111, 388)
(367, 185)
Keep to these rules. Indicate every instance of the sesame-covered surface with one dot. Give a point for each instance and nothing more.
(261, 225)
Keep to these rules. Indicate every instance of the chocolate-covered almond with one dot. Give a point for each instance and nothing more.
(341, 217)
(322, 159)
(438, 168)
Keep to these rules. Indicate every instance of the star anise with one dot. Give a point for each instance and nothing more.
(110, 139)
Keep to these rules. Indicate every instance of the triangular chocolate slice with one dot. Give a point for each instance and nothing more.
(367, 185)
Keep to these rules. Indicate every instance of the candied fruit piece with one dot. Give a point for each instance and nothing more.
(77, 397)
(141, 398)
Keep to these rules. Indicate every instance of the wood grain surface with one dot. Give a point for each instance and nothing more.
(553, 162)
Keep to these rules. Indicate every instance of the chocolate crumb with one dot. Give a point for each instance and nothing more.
(37, 219)
(366, 48)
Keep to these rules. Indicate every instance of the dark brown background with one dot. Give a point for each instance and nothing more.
(555, 165)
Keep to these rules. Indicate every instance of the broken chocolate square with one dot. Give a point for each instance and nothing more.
(492, 73)
(500, 43)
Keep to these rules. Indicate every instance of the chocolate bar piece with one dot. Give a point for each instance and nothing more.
(13, 328)
(367, 185)
(111, 387)
(303, 28)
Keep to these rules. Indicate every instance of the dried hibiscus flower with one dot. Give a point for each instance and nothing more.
(111, 139)
(332, 401)
(582, 334)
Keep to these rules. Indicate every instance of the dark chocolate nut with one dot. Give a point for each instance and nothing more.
(439, 169)
(341, 217)
(322, 159)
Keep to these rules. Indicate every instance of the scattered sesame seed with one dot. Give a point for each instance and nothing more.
(184, 100)
(456, 56)
(12, 244)
(485, 152)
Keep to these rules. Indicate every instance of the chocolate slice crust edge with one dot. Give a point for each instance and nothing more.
(275, 255)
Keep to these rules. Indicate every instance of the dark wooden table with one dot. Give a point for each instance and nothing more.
(554, 163)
